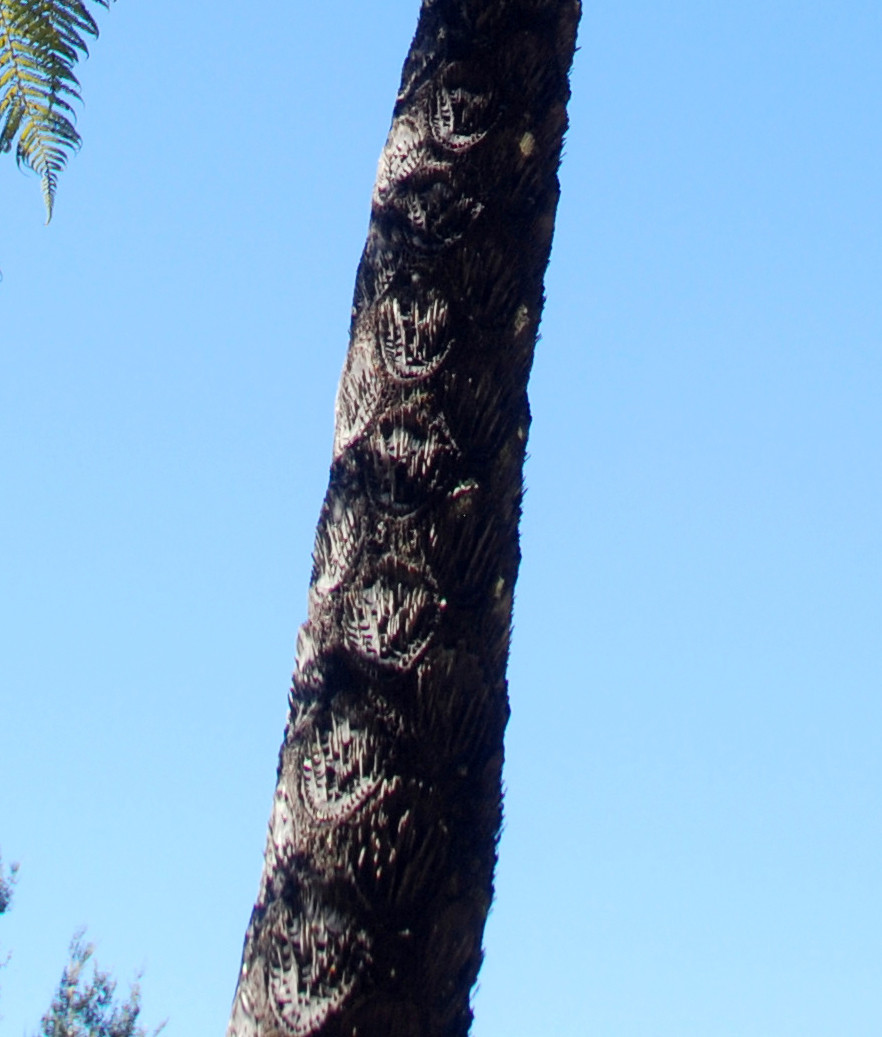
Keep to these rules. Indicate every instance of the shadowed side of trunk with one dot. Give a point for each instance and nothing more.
(382, 841)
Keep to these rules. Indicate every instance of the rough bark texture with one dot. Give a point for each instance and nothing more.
(382, 841)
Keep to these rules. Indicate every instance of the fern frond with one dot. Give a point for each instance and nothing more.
(40, 43)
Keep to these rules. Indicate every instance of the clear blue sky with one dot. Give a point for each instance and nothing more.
(694, 761)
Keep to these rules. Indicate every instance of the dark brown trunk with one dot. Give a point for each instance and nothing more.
(382, 841)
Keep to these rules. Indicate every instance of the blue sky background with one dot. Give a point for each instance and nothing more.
(694, 760)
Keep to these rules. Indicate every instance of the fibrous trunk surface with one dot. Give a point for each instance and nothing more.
(382, 841)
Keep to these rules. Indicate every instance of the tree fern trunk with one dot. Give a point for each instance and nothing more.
(382, 842)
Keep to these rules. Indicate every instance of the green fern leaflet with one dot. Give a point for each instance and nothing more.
(40, 43)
